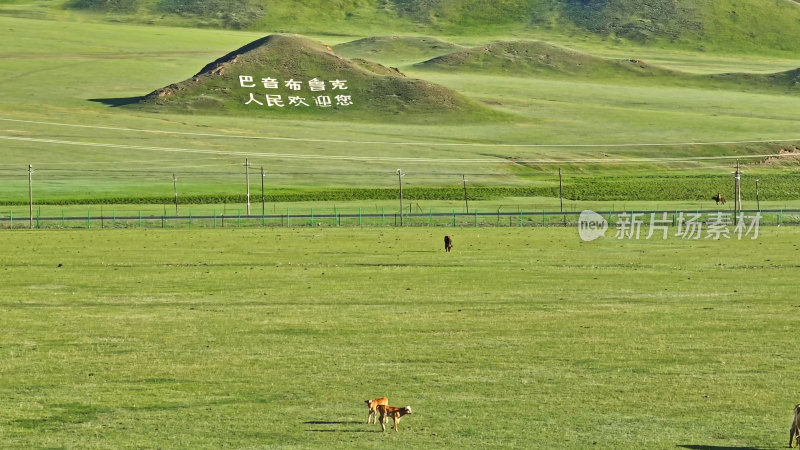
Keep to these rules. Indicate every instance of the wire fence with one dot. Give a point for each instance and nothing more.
(432, 218)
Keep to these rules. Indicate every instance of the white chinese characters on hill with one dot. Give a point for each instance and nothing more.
(315, 87)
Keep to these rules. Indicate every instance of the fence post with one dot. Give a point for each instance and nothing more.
(520, 217)
(359, 217)
(190, 217)
(430, 217)
(312, 217)
(476, 218)
(140, 218)
(214, 214)
(89, 218)
(38, 212)
(239, 218)
(63, 222)
(287, 217)
(454, 217)
(11, 220)
(383, 216)
(115, 218)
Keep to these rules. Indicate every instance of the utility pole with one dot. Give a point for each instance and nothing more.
(560, 190)
(561, 196)
(758, 202)
(262, 191)
(175, 188)
(737, 200)
(400, 182)
(464, 182)
(30, 193)
(247, 175)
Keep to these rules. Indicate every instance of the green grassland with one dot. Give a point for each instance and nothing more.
(524, 337)
(61, 81)
(274, 338)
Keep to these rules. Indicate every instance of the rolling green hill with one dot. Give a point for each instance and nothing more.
(539, 58)
(294, 76)
(272, 76)
(542, 59)
(731, 26)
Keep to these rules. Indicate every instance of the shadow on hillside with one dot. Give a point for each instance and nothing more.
(114, 102)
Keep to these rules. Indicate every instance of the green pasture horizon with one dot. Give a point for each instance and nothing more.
(60, 77)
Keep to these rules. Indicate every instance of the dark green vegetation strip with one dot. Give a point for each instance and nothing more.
(784, 186)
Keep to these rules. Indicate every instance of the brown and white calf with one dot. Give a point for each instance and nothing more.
(394, 412)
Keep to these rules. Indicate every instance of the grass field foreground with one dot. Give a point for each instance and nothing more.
(274, 338)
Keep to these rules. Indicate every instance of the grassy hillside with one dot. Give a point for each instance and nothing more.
(81, 148)
(276, 75)
(256, 78)
(536, 58)
(543, 59)
(708, 25)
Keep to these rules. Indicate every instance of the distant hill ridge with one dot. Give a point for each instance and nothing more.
(713, 25)
(295, 76)
(537, 58)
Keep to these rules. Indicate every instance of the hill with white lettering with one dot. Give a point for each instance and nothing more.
(294, 76)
